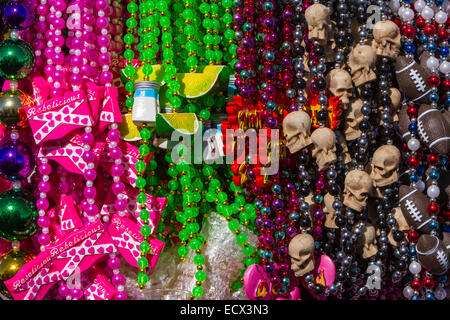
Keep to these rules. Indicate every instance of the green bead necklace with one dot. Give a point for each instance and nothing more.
(148, 49)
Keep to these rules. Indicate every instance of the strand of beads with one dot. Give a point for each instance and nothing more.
(117, 28)
(215, 194)
(117, 170)
(55, 59)
(228, 40)
(245, 73)
(190, 31)
(129, 54)
(55, 42)
(39, 28)
(75, 42)
(170, 78)
(298, 51)
(148, 48)
(344, 36)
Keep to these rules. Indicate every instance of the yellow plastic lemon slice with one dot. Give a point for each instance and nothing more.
(186, 123)
(128, 130)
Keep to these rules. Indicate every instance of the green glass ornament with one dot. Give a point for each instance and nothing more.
(10, 264)
(17, 59)
(18, 215)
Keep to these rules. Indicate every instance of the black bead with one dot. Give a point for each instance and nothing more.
(298, 17)
(363, 216)
(366, 93)
(298, 51)
(322, 115)
(340, 221)
(304, 190)
(349, 38)
(334, 190)
(361, 158)
(362, 18)
(319, 50)
(381, 224)
(340, 42)
(348, 249)
(341, 23)
(305, 222)
(388, 133)
(321, 83)
(401, 265)
(399, 236)
(384, 68)
(302, 159)
(300, 83)
(381, 255)
(340, 276)
(386, 101)
(318, 289)
(364, 125)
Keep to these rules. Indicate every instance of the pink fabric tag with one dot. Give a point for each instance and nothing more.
(69, 153)
(41, 90)
(100, 289)
(68, 215)
(110, 110)
(57, 117)
(94, 94)
(79, 250)
(127, 237)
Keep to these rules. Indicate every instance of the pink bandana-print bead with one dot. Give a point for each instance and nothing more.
(78, 250)
(57, 117)
(127, 237)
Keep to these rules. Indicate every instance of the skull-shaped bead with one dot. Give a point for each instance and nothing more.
(324, 147)
(396, 100)
(330, 212)
(366, 245)
(387, 38)
(340, 85)
(362, 64)
(357, 187)
(296, 127)
(353, 119)
(301, 250)
(384, 166)
(318, 18)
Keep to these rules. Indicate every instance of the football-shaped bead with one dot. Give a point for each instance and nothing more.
(432, 254)
(414, 205)
(446, 240)
(434, 130)
(412, 79)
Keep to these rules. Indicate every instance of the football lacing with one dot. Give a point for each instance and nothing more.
(422, 132)
(418, 80)
(413, 211)
(442, 259)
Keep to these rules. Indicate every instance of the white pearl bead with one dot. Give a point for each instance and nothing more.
(427, 13)
(432, 63)
(406, 14)
(440, 17)
(413, 144)
(433, 191)
(394, 4)
(420, 185)
(415, 267)
(408, 292)
(440, 293)
(419, 5)
(445, 67)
